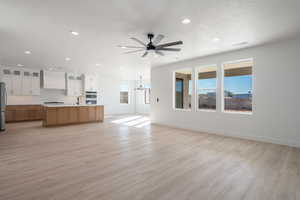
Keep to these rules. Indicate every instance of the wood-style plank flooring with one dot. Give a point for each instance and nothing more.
(118, 161)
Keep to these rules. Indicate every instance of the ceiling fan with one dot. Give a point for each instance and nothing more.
(152, 45)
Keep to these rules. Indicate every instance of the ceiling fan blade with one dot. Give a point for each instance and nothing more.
(145, 54)
(169, 49)
(130, 47)
(158, 39)
(170, 44)
(159, 53)
(139, 41)
(128, 52)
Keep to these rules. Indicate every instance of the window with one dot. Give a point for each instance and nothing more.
(124, 94)
(206, 88)
(238, 86)
(183, 89)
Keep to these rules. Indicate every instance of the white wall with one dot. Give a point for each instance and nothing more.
(276, 99)
(109, 91)
(141, 107)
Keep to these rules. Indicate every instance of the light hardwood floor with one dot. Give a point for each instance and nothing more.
(110, 161)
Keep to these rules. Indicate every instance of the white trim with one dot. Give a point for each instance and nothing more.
(182, 110)
(206, 110)
(238, 112)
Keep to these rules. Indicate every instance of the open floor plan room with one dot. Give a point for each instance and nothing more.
(149, 100)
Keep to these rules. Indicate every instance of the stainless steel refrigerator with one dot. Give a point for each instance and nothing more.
(3, 99)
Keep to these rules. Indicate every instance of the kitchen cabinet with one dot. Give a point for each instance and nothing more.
(31, 83)
(83, 114)
(21, 82)
(13, 81)
(36, 83)
(74, 85)
(6, 78)
(63, 115)
(90, 83)
(16, 82)
(18, 113)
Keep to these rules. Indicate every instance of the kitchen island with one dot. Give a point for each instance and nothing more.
(58, 115)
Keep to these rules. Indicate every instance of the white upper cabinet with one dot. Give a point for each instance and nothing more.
(6, 78)
(17, 82)
(13, 81)
(36, 83)
(31, 82)
(26, 88)
(90, 83)
(54, 80)
(21, 82)
(74, 84)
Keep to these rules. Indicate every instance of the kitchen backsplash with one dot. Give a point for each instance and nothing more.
(46, 95)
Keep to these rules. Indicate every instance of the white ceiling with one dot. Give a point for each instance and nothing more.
(43, 26)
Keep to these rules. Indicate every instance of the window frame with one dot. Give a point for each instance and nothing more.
(174, 89)
(196, 88)
(222, 87)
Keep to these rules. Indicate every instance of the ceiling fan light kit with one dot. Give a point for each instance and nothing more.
(153, 45)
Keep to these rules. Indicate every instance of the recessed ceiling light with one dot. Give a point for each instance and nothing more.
(68, 59)
(74, 33)
(98, 64)
(27, 52)
(216, 39)
(20, 65)
(186, 21)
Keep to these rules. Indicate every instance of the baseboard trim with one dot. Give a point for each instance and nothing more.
(247, 137)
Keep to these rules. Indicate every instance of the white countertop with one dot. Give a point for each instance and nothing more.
(69, 105)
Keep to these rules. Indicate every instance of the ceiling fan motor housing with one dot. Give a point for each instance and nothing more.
(150, 45)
